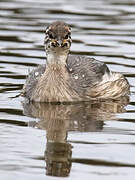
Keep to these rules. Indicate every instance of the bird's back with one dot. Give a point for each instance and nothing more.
(85, 71)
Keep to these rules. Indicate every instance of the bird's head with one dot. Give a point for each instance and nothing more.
(58, 37)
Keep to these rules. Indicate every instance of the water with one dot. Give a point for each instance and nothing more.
(79, 141)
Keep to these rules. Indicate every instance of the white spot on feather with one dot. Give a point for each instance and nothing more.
(36, 74)
(76, 76)
(70, 69)
(83, 75)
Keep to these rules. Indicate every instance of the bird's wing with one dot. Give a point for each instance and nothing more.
(86, 70)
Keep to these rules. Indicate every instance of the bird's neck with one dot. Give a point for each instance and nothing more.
(57, 57)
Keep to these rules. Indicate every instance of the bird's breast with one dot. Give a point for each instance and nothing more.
(54, 86)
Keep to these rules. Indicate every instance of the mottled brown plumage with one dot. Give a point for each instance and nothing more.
(67, 78)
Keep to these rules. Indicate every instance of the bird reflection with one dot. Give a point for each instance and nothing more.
(58, 119)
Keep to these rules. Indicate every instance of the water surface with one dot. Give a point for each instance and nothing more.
(80, 141)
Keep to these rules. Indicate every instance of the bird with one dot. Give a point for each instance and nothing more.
(71, 78)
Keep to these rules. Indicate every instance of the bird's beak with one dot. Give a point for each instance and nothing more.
(62, 43)
(59, 42)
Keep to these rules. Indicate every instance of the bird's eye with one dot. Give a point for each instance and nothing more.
(51, 36)
(67, 36)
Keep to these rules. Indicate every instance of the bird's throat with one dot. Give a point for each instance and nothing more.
(57, 57)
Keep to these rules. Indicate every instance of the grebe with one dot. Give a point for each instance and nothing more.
(70, 78)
